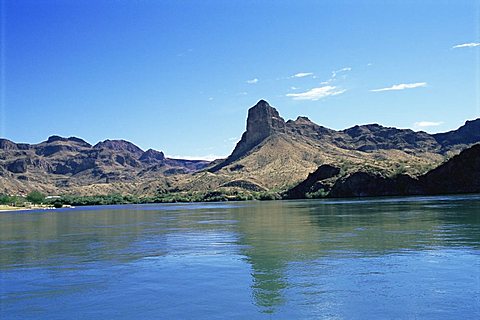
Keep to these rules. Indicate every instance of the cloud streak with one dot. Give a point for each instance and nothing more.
(336, 72)
(424, 124)
(401, 86)
(467, 45)
(302, 75)
(316, 93)
(252, 81)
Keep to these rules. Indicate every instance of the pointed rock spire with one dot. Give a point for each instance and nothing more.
(262, 122)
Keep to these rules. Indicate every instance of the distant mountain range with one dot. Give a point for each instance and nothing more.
(272, 155)
(73, 165)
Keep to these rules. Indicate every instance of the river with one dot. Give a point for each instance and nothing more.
(379, 258)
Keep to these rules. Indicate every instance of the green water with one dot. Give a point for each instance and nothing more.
(398, 258)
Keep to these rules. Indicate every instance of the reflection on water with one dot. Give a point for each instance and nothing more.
(298, 258)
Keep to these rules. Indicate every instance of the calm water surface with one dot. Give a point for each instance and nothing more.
(398, 258)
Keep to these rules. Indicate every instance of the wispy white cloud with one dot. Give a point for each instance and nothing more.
(316, 93)
(334, 75)
(467, 45)
(336, 72)
(209, 157)
(424, 124)
(252, 81)
(402, 86)
(302, 75)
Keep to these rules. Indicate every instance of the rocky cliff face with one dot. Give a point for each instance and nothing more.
(262, 122)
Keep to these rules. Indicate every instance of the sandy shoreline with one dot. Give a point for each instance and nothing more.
(5, 208)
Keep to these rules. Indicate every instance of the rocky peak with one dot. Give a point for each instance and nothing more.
(7, 145)
(302, 119)
(466, 134)
(151, 155)
(305, 127)
(75, 140)
(53, 139)
(120, 145)
(366, 129)
(262, 122)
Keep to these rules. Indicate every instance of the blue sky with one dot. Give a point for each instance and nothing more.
(179, 76)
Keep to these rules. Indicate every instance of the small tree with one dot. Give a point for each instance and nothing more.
(35, 197)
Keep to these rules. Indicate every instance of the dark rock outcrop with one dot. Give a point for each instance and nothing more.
(78, 165)
(313, 182)
(461, 174)
(363, 184)
(18, 166)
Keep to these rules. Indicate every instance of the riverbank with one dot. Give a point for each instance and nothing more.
(32, 207)
(10, 208)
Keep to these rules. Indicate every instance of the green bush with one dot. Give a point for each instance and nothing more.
(8, 200)
(35, 197)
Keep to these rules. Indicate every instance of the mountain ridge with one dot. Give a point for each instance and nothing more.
(272, 154)
(282, 154)
(61, 164)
